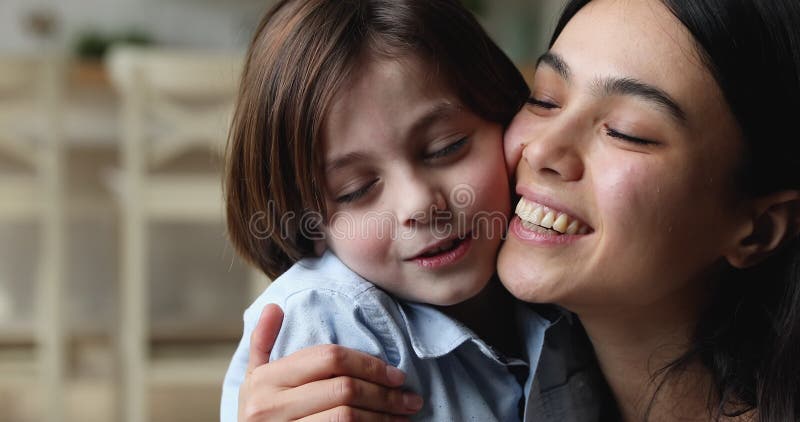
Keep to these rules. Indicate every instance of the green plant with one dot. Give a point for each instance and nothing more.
(93, 44)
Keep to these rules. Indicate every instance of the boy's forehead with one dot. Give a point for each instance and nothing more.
(411, 72)
(388, 96)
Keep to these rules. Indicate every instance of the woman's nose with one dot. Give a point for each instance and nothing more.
(554, 154)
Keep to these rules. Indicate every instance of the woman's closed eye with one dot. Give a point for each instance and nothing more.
(628, 138)
(448, 150)
(357, 193)
(541, 103)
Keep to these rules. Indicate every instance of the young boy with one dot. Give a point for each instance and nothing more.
(366, 151)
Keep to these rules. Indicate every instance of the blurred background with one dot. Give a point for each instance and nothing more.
(120, 297)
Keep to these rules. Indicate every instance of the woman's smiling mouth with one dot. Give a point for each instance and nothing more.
(534, 216)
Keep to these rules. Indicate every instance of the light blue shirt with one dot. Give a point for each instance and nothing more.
(460, 377)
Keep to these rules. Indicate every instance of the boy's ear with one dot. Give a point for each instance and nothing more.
(775, 221)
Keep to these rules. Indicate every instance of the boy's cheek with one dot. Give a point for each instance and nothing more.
(358, 240)
(366, 256)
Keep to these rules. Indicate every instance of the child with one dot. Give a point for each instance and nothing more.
(363, 173)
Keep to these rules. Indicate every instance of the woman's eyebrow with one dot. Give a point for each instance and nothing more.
(620, 86)
(649, 93)
(555, 62)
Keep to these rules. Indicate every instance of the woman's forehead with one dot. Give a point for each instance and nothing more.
(640, 40)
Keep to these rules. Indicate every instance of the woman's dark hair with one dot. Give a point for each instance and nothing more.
(749, 337)
(302, 54)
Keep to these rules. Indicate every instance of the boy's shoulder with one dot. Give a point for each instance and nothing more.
(327, 272)
(324, 302)
(325, 275)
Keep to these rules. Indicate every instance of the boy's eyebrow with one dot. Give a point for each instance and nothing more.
(344, 161)
(620, 86)
(438, 111)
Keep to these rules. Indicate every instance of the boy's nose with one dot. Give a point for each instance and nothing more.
(419, 202)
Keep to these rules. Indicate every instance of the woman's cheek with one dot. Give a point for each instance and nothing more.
(625, 199)
(513, 143)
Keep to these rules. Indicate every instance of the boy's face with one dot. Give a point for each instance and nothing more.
(416, 190)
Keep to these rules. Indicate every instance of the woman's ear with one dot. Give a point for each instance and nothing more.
(775, 221)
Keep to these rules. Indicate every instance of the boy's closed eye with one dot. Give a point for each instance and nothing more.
(448, 150)
(357, 192)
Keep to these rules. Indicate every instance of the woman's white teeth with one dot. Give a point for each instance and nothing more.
(547, 221)
(573, 227)
(560, 225)
(536, 218)
(533, 214)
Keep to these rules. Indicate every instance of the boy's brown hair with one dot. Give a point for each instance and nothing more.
(302, 54)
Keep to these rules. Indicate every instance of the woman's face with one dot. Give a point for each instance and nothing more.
(628, 136)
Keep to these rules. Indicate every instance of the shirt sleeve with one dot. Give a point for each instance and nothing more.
(313, 317)
(229, 404)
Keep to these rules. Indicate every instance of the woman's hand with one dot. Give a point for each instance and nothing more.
(319, 383)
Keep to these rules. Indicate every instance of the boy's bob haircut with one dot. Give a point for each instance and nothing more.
(302, 54)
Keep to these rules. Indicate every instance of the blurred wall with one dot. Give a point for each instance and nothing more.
(521, 27)
(215, 24)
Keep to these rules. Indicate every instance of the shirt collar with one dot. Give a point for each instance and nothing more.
(434, 334)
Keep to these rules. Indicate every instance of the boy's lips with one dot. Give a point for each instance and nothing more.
(443, 253)
(439, 247)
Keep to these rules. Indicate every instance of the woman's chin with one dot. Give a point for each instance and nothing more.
(522, 278)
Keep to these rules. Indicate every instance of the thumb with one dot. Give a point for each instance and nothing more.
(264, 335)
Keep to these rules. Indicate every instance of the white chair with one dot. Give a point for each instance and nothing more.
(30, 129)
(171, 102)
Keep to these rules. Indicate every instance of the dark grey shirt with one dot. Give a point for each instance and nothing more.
(568, 385)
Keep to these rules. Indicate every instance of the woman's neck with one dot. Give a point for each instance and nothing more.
(634, 343)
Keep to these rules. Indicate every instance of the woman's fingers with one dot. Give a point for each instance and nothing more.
(324, 395)
(327, 361)
(264, 335)
(260, 401)
(349, 414)
(335, 381)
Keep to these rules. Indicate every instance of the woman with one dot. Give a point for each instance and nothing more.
(666, 127)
